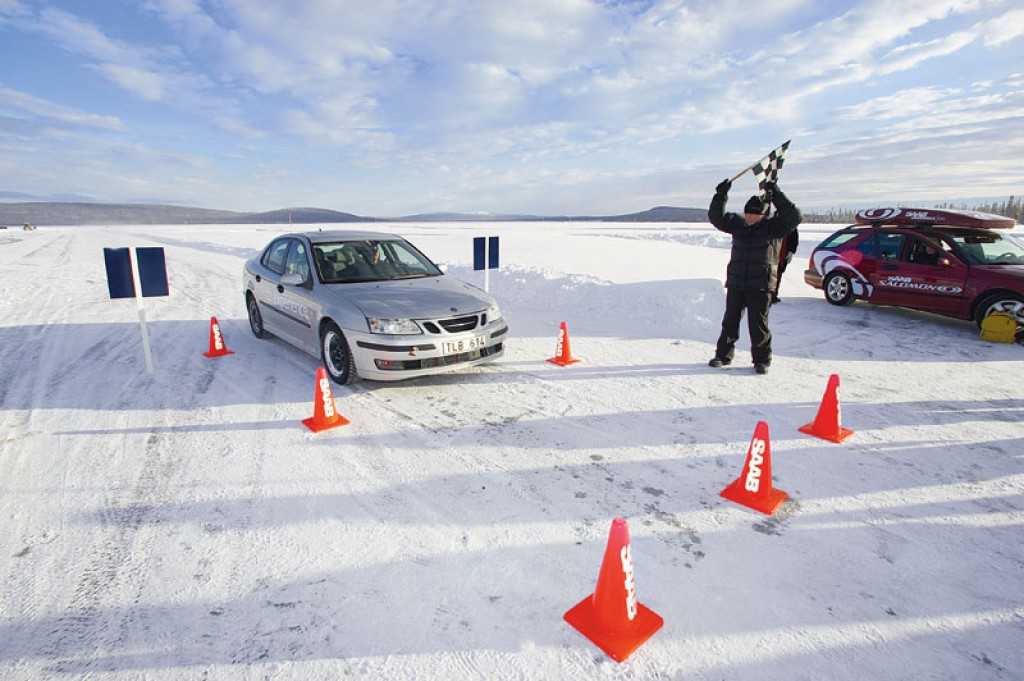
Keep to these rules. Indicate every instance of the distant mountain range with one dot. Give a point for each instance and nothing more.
(60, 213)
(87, 213)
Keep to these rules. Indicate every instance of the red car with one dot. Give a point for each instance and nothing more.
(956, 263)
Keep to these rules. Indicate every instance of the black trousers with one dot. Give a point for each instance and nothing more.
(756, 304)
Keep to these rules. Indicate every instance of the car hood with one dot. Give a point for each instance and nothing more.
(428, 298)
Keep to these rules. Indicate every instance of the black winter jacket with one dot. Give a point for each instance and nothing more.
(755, 249)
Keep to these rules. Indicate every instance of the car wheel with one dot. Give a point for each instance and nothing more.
(838, 288)
(336, 355)
(255, 318)
(1001, 302)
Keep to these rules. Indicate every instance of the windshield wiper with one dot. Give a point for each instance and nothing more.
(414, 276)
(351, 281)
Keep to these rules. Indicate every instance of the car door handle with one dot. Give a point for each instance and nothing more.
(891, 268)
(280, 289)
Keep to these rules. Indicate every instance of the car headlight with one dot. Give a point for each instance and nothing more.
(493, 313)
(394, 327)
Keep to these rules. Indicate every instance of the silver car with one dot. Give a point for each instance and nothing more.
(370, 305)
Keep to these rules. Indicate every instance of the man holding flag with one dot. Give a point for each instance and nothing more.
(752, 274)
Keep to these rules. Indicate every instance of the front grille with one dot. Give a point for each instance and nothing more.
(459, 324)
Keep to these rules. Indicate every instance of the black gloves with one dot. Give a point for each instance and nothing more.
(723, 187)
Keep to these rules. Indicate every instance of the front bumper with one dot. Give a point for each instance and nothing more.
(380, 357)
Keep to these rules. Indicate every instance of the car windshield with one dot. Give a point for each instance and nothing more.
(347, 262)
(989, 248)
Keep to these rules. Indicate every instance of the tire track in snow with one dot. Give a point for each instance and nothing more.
(117, 563)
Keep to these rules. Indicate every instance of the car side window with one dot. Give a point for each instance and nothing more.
(276, 255)
(920, 252)
(839, 239)
(868, 246)
(889, 245)
(297, 263)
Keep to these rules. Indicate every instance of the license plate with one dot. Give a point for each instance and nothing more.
(467, 345)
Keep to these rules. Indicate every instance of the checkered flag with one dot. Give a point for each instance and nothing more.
(767, 169)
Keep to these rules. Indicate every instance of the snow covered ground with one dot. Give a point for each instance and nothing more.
(186, 526)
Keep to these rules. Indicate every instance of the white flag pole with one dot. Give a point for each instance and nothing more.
(737, 175)
(133, 263)
(487, 264)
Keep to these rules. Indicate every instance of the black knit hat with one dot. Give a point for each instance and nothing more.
(754, 205)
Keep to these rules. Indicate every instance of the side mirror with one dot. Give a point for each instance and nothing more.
(292, 280)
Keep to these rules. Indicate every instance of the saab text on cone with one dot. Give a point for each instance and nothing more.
(325, 414)
(612, 617)
(563, 352)
(218, 348)
(829, 423)
(753, 488)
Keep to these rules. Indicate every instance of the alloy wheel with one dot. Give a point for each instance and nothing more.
(1014, 308)
(255, 320)
(334, 353)
(838, 288)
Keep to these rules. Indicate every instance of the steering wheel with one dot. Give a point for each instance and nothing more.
(1007, 256)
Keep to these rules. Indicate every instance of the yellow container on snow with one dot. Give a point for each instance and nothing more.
(999, 327)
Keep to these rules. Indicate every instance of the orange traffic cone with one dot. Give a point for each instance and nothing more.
(217, 345)
(325, 415)
(563, 355)
(753, 488)
(612, 617)
(828, 424)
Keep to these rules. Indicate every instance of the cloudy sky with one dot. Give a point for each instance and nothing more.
(533, 106)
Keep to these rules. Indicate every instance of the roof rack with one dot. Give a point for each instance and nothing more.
(933, 217)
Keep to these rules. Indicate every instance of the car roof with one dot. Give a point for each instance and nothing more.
(325, 236)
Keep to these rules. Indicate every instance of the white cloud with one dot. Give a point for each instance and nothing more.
(1001, 30)
(152, 73)
(857, 35)
(47, 109)
(908, 56)
(145, 84)
(910, 102)
(514, 97)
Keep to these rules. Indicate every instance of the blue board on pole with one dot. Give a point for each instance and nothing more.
(478, 253)
(152, 272)
(492, 253)
(119, 272)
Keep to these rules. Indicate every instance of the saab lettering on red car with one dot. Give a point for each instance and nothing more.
(921, 216)
(909, 283)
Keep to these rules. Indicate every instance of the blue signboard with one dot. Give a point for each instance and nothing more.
(485, 253)
(478, 253)
(152, 272)
(492, 260)
(119, 272)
